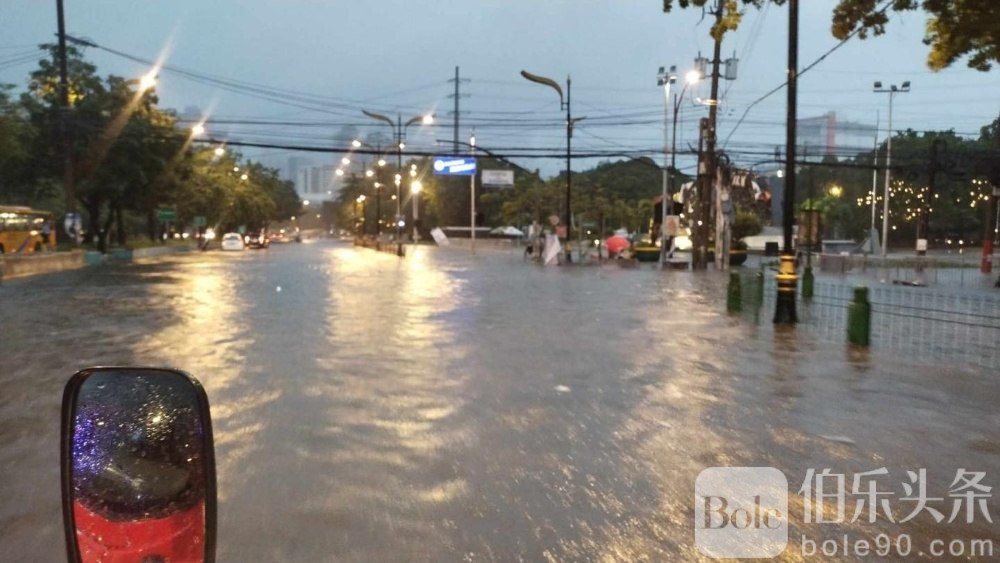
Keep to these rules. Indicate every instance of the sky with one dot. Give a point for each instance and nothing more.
(332, 59)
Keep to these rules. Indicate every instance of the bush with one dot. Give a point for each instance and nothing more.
(746, 224)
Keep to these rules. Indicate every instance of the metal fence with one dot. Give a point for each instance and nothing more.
(925, 324)
(960, 269)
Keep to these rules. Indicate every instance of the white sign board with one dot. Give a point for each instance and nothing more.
(439, 237)
(921, 245)
(498, 178)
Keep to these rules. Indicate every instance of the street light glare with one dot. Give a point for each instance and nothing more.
(381, 162)
(147, 81)
(219, 151)
(198, 130)
(369, 173)
(345, 161)
(416, 187)
(339, 172)
(692, 77)
(356, 143)
(428, 119)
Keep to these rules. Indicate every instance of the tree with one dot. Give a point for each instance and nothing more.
(955, 28)
(17, 137)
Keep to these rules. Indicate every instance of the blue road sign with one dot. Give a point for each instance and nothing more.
(455, 165)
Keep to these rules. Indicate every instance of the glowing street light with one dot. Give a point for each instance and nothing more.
(339, 172)
(836, 191)
(415, 187)
(198, 130)
(345, 161)
(219, 151)
(399, 130)
(147, 81)
(666, 78)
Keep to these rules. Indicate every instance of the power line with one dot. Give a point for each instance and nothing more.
(821, 58)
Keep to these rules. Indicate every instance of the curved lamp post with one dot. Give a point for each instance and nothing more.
(666, 79)
(563, 104)
(399, 132)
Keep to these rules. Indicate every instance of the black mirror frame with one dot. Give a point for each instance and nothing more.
(70, 394)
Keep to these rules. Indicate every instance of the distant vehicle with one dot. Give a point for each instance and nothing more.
(232, 241)
(24, 230)
(256, 239)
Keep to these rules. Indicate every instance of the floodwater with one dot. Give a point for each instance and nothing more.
(450, 407)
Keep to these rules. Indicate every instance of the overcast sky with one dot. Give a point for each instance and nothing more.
(395, 56)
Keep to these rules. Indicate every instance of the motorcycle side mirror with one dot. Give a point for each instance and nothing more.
(138, 467)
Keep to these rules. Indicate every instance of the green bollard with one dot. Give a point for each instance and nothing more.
(734, 297)
(859, 318)
(808, 282)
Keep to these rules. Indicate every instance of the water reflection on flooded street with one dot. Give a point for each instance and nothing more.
(448, 407)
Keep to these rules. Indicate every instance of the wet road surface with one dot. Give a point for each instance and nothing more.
(447, 407)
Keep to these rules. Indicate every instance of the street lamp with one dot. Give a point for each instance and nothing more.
(666, 79)
(360, 201)
(563, 104)
(147, 81)
(892, 90)
(219, 151)
(369, 173)
(472, 196)
(415, 187)
(399, 132)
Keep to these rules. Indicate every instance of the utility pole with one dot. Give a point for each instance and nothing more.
(986, 266)
(458, 81)
(787, 278)
(707, 172)
(924, 218)
(69, 186)
(874, 182)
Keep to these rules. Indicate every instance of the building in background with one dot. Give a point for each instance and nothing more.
(825, 136)
(318, 183)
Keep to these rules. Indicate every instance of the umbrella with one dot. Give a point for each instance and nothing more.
(616, 244)
(513, 232)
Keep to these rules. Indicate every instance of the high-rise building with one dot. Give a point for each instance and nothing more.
(317, 183)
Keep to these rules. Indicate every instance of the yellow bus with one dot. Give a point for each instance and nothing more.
(24, 230)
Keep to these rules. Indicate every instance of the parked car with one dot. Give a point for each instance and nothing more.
(256, 239)
(232, 241)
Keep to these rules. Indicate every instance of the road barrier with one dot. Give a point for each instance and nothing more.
(41, 263)
(958, 327)
(961, 269)
(392, 247)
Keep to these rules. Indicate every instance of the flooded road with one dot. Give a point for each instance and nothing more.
(448, 407)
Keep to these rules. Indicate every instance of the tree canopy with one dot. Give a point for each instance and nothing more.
(129, 158)
(955, 28)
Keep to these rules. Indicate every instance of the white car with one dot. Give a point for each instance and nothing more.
(232, 241)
